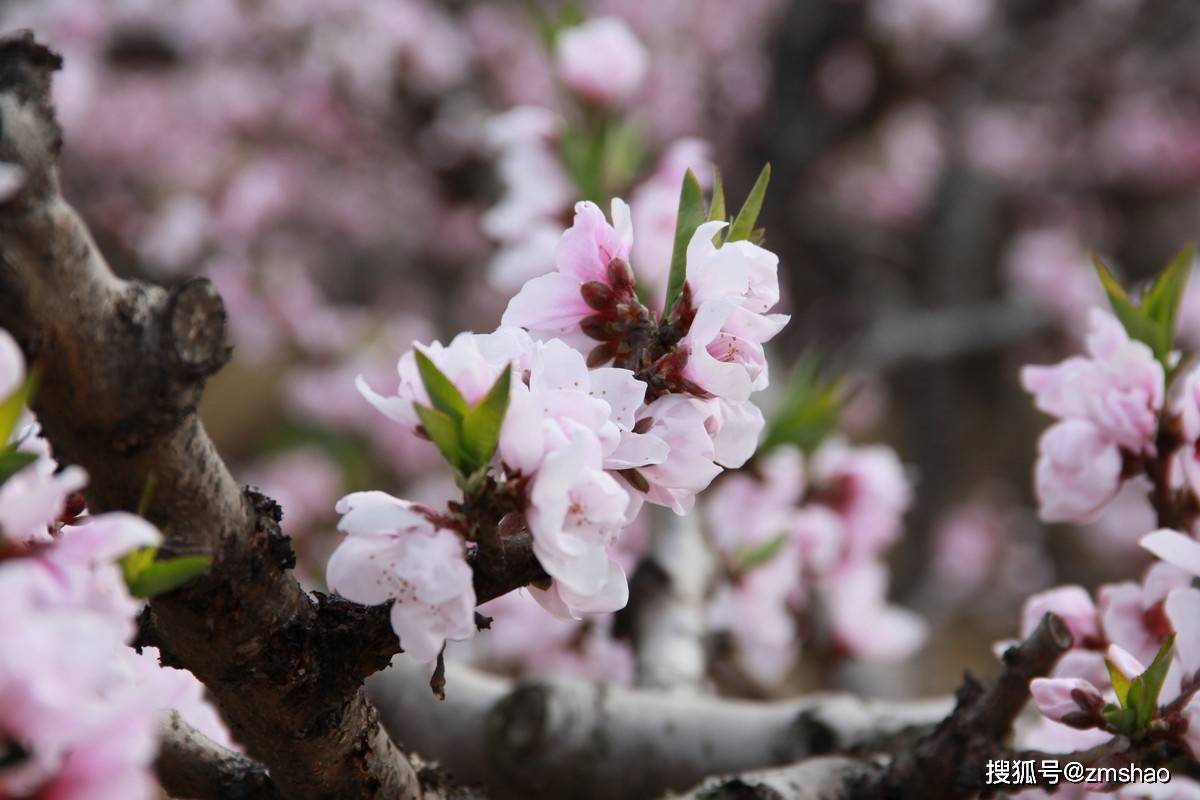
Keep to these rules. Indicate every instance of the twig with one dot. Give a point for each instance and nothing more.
(191, 766)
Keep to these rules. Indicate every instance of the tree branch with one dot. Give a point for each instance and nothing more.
(566, 738)
(123, 365)
(666, 606)
(951, 761)
(825, 778)
(191, 766)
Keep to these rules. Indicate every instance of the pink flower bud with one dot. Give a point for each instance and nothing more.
(1078, 472)
(1071, 701)
(601, 61)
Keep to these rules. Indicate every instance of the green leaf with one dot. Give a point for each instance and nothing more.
(13, 461)
(1135, 321)
(442, 393)
(716, 211)
(621, 158)
(1161, 303)
(743, 224)
(14, 404)
(481, 426)
(147, 492)
(443, 430)
(161, 577)
(135, 562)
(810, 408)
(691, 216)
(1120, 683)
(1122, 719)
(1145, 689)
(757, 556)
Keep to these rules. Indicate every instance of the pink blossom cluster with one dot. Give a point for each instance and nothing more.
(609, 407)
(803, 539)
(1107, 404)
(1126, 626)
(79, 708)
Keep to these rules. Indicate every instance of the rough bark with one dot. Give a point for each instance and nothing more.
(567, 738)
(122, 366)
(951, 761)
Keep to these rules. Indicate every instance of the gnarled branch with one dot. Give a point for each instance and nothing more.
(123, 365)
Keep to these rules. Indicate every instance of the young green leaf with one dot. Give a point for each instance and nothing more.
(442, 392)
(1161, 303)
(481, 426)
(14, 404)
(1122, 719)
(1119, 681)
(1145, 689)
(743, 224)
(1134, 319)
(13, 461)
(810, 408)
(691, 215)
(443, 430)
(135, 562)
(716, 210)
(161, 577)
(757, 556)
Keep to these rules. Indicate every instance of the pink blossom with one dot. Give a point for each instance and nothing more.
(744, 510)
(864, 624)
(1056, 699)
(601, 61)
(681, 422)
(755, 613)
(563, 394)
(1118, 387)
(178, 689)
(1182, 607)
(1175, 548)
(868, 487)
(1078, 471)
(1132, 614)
(1072, 603)
(575, 512)
(552, 304)
(393, 552)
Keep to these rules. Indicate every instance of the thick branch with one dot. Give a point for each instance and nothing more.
(572, 739)
(123, 365)
(192, 766)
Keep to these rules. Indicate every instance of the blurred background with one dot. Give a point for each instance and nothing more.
(357, 175)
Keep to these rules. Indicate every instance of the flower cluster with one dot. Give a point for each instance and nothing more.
(582, 406)
(1108, 404)
(78, 708)
(802, 537)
